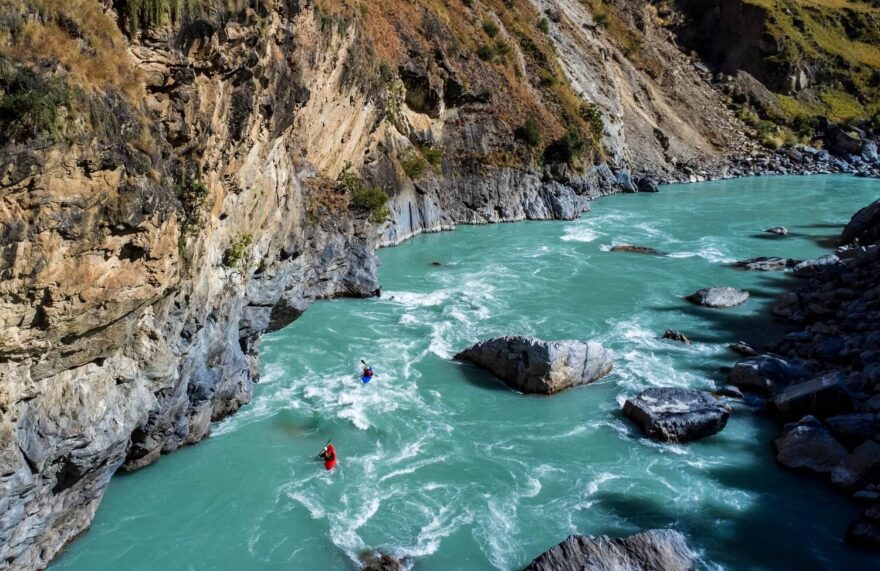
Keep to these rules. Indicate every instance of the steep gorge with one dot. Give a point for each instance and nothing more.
(172, 211)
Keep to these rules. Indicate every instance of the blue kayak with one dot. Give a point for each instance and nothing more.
(366, 379)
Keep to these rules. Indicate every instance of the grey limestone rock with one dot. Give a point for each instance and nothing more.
(654, 550)
(544, 367)
(671, 414)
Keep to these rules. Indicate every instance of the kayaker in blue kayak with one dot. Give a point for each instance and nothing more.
(367, 374)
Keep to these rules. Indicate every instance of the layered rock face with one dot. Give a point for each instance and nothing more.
(184, 197)
(540, 367)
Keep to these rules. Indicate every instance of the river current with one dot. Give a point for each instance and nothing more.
(442, 464)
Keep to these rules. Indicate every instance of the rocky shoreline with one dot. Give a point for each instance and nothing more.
(823, 379)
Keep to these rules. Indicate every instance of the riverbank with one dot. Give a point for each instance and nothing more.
(823, 379)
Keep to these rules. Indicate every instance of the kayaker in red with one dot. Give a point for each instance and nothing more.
(329, 457)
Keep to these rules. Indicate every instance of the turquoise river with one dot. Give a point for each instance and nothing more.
(443, 465)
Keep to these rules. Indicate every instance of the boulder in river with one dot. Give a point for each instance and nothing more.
(674, 335)
(654, 550)
(742, 348)
(637, 249)
(722, 296)
(766, 373)
(531, 365)
(778, 230)
(378, 561)
(765, 264)
(672, 414)
(807, 445)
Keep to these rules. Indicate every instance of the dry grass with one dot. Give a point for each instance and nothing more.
(78, 35)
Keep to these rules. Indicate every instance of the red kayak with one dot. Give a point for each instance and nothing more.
(329, 456)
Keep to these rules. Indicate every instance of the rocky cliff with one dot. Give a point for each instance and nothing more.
(178, 178)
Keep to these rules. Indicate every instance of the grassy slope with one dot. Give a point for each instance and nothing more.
(844, 37)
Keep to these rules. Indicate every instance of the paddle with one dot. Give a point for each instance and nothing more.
(324, 449)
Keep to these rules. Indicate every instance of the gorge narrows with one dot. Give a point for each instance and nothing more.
(445, 467)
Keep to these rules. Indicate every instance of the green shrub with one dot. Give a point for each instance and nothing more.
(567, 149)
(414, 164)
(502, 48)
(529, 133)
(602, 20)
(237, 254)
(192, 194)
(28, 104)
(485, 53)
(362, 197)
(591, 113)
(433, 156)
(491, 28)
(372, 199)
(544, 25)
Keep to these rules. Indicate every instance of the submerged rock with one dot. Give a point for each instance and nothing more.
(637, 249)
(542, 367)
(721, 296)
(674, 335)
(671, 414)
(778, 230)
(807, 445)
(742, 348)
(378, 561)
(765, 264)
(654, 550)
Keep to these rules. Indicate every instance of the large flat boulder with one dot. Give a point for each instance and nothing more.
(807, 445)
(722, 296)
(671, 414)
(534, 366)
(654, 550)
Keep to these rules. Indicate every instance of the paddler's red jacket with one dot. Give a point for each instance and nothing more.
(329, 456)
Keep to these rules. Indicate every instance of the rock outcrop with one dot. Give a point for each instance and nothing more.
(655, 550)
(541, 367)
(722, 296)
(671, 414)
